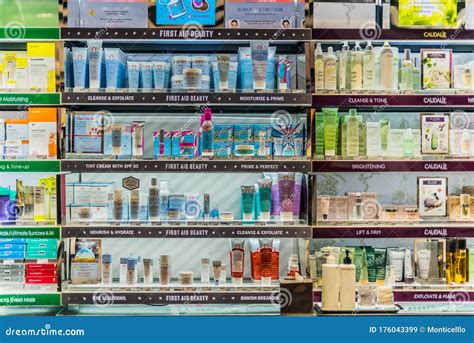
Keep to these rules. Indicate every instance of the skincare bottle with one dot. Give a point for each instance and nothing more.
(148, 271)
(467, 78)
(386, 67)
(138, 138)
(107, 269)
(348, 287)
(39, 208)
(331, 278)
(165, 269)
(207, 129)
(465, 206)
(123, 270)
(153, 200)
(131, 271)
(408, 143)
(369, 67)
(416, 75)
(465, 143)
(356, 68)
(164, 195)
(118, 205)
(293, 266)
(450, 260)
(319, 68)
(217, 269)
(352, 134)
(134, 204)
(460, 260)
(362, 136)
(330, 70)
(19, 200)
(344, 64)
(407, 72)
(28, 210)
(357, 210)
(384, 128)
(207, 206)
(223, 276)
(205, 270)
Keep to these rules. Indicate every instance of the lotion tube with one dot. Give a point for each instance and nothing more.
(259, 51)
(237, 260)
(79, 62)
(133, 69)
(95, 53)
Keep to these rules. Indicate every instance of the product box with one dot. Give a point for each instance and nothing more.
(42, 243)
(432, 196)
(41, 253)
(288, 140)
(12, 254)
(85, 265)
(21, 71)
(222, 149)
(179, 12)
(188, 143)
(81, 193)
(87, 132)
(11, 279)
(262, 140)
(41, 273)
(175, 143)
(40, 279)
(436, 68)
(435, 133)
(454, 207)
(432, 14)
(41, 66)
(79, 213)
(12, 247)
(11, 272)
(99, 193)
(161, 143)
(42, 130)
(223, 132)
(108, 13)
(31, 267)
(357, 14)
(50, 196)
(396, 142)
(17, 138)
(263, 14)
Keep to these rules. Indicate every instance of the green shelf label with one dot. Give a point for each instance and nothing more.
(29, 99)
(29, 166)
(30, 232)
(29, 299)
(26, 33)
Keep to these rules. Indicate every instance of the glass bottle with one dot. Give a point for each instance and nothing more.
(460, 259)
(319, 68)
(407, 72)
(352, 133)
(369, 67)
(356, 68)
(416, 75)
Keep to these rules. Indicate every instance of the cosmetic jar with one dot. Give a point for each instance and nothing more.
(385, 296)
(244, 150)
(227, 216)
(177, 82)
(390, 213)
(185, 278)
(192, 78)
(411, 213)
(179, 63)
(367, 295)
(201, 62)
(173, 213)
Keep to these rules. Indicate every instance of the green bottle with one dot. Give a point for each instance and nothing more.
(384, 128)
(352, 134)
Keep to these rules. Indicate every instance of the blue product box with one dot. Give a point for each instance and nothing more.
(242, 133)
(179, 12)
(162, 143)
(87, 130)
(13, 240)
(289, 140)
(223, 132)
(222, 149)
(11, 254)
(12, 247)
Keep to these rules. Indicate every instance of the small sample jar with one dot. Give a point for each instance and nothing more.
(185, 278)
(411, 213)
(173, 213)
(390, 213)
(84, 213)
(367, 295)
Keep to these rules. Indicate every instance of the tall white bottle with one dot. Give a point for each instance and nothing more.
(331, 284)
(386, 67)
(330, 71)
(344, 68)
(368, 67)
(319, 68)
(356, 68)
(407, 72)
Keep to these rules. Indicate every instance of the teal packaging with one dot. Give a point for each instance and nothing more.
(175, 143)
(223, 132)
(42, 243)
(42, 253)
(161, 143)
(179, 12)
(188, 143)
(262, 139)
